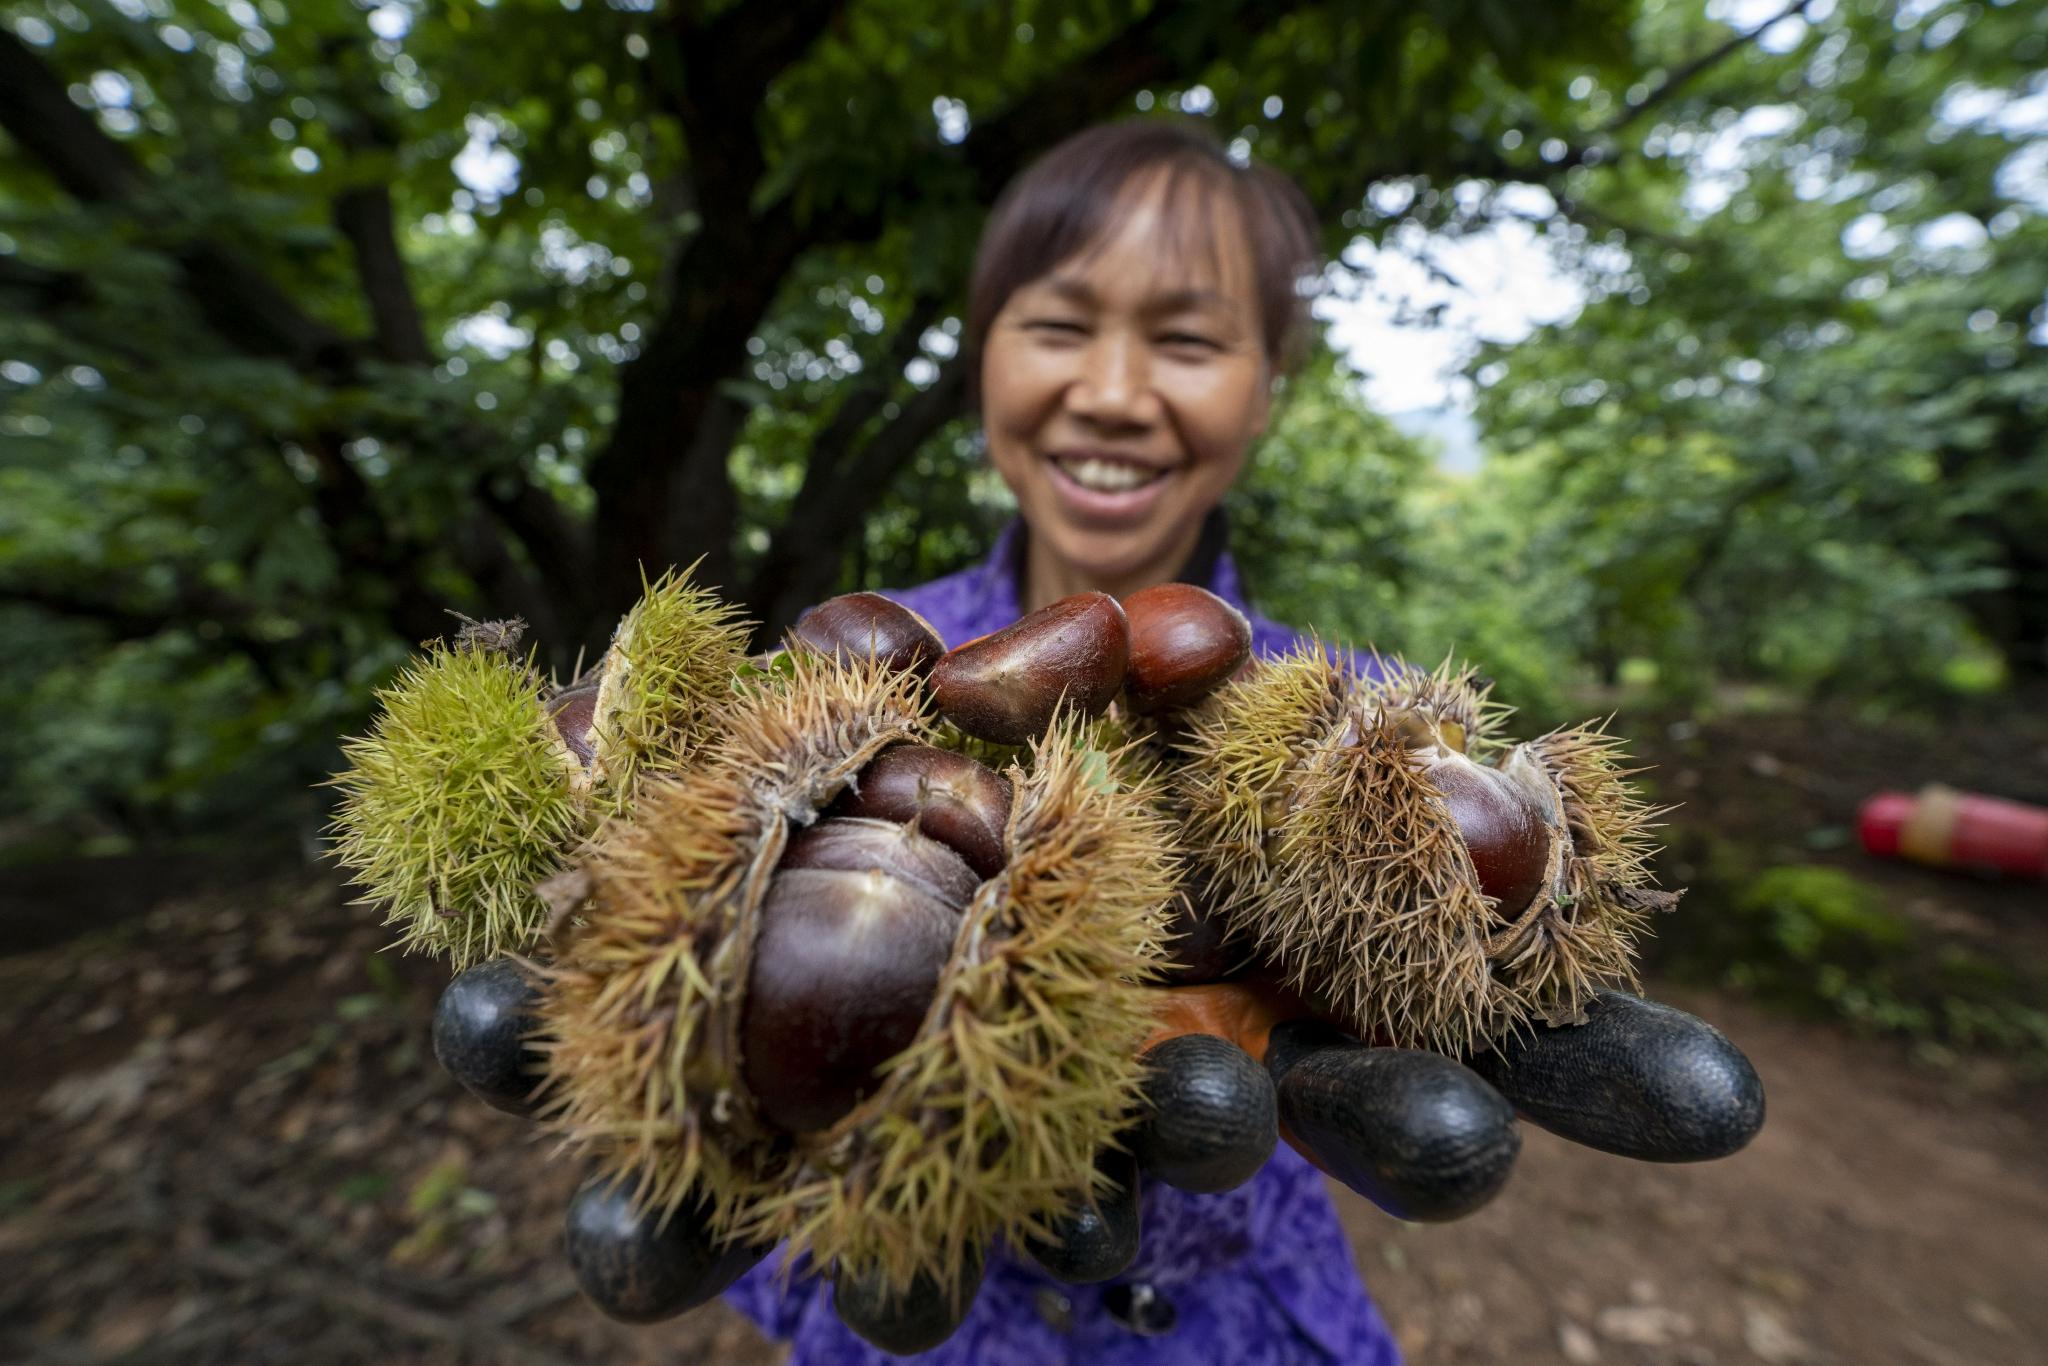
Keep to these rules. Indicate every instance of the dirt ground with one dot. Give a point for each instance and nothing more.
(223, 1139)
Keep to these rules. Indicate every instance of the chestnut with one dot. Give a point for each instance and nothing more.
(1185, 642)
(963, 804)
(1507, 826)
(574, 712)
(853, 844)
(1006, 686)
(855, 929)
(859, 625)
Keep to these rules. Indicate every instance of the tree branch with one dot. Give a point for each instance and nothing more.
(811, 545)
(654, 509)
(1169, 41)
(37, 111)
(1699, 65)
(830, 448)
(194, 606)
(726, 277)
(775, 587)
(255, 317)
(363, 211)
(242, 305)
(363, 214)
(35, 289)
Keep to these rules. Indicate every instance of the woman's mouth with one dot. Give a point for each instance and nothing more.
(1100, 475)
(1103, 489)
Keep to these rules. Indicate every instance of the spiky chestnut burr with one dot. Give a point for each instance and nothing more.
(461, 798)
(861, 625)
(1022, 1067)
(474, 783)
(669, 667)
(1427, 899)
(1006, 686)
(949, 796)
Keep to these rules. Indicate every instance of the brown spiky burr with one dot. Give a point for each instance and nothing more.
(732, 932)
(1428, 897)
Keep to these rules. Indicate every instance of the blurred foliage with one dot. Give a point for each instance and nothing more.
(1816, 938)
(1798, 432)
(1795, 436)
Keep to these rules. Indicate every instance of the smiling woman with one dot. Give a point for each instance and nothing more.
(1134, 299)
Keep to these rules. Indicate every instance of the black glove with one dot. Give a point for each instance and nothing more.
(630, 1264)
(1423, 1136)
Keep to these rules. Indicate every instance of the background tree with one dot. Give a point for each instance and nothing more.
(1799, 432)
(320, 319)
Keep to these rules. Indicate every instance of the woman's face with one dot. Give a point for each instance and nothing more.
(1121, 391)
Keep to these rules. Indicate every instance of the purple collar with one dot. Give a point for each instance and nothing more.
(998, 580)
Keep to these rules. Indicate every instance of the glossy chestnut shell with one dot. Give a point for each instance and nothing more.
(1005, 687)
(956, 800)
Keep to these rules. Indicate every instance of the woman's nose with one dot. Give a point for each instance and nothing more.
(1115, 384)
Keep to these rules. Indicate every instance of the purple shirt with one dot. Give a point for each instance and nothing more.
(1259, 1276)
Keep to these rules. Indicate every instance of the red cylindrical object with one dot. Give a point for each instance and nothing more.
(1882, 818)
(1952, 829)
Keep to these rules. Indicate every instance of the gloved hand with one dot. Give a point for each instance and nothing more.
(1423, 1136)
(1233, 1068)
(632, 1265)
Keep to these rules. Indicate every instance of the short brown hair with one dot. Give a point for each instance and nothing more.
(1066, 200)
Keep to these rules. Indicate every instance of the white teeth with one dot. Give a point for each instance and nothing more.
(1108, 476)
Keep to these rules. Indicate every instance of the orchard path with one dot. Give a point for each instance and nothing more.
(223, 1139)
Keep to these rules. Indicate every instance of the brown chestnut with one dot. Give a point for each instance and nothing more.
(963, 804)
(1507, 826)
(574, 710)
(1185, 642)
(858, 625)
(847, 844)
(1006, 686)
(856, 927)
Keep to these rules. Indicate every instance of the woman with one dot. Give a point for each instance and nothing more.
(1134, 300)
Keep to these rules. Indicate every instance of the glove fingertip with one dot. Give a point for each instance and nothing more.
(1098, 1239)
(1211, 1118)
(1637, 1078)
(482, 1026)
(913, 1320)
(1419, 1135)
(635, 1268)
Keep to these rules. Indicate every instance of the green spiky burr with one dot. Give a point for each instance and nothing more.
(460, 799)
(670, 667)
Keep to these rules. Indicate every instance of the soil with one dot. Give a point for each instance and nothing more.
(223, 1139)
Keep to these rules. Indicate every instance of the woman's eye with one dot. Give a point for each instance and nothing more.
(1188, 339)
(1056, 325)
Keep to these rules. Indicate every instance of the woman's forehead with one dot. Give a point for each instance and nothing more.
(1168, 247)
